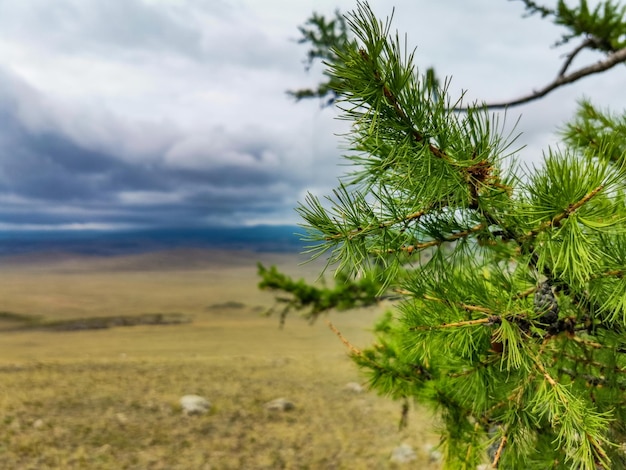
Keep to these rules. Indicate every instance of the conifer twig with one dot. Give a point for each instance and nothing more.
(468, 307)
(393, 101)
(592, 344)
(546, 374)
(481, 321)
(557, 219)
(353, 349)
(382, 225)
(525, 293)
(496, 458)
(456, 236)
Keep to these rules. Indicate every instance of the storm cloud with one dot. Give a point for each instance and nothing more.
(137, 113)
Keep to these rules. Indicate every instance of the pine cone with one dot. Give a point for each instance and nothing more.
(546, 304)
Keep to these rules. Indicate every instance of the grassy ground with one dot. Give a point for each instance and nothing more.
(108, 399)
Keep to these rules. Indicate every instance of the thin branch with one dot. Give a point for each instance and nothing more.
(382, 225)
(409, 249)
(545, 373)
(570, 57)
(496, 458)
(542, 369)
(598, 448)
(611, 61)
(617, 369)
(619, 273)
(526, 293)
(556, 220)
(353, 349)
(587, 342)
(481, 321)
(519, 295)
(591, 380)
(393, 101)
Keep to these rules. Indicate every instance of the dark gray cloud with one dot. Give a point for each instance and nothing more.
(134, 113)
(50, 174)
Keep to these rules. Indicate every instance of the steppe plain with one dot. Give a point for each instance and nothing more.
(109, 398)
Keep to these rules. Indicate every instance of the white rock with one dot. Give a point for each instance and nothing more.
(433, 454)
(194, 405)
(121, 418)
(354, 387)
(280, 404)
(403, 454)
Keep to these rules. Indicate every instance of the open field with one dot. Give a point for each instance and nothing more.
(108, 398)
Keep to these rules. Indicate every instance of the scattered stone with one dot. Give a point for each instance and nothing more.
(194, 405)
(280, 404)
(403, 454)
(354, 387)
(121, 418)
(433, 454)
(38, 424)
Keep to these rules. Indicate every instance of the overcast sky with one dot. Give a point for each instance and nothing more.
(141, 113)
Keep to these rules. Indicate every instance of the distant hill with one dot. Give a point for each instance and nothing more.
(261, 238)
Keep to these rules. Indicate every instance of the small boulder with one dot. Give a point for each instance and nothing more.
(403, 454)
(280, 404)
(434, 455)
(194, 405)
(354, 387)
(121, 418)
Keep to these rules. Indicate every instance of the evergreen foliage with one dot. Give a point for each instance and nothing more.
(324, 36)
(603, 26)
(513, 295)
(326, 39)
(345, 295)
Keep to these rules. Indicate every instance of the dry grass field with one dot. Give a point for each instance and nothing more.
(109, 398)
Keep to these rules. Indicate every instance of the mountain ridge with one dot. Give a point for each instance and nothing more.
(259, 238)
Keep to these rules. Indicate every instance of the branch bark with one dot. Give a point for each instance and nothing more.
(611, 61)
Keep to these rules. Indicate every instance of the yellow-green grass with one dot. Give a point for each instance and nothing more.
(109, 398)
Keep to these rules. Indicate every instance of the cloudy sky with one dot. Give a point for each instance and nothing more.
(141, 113)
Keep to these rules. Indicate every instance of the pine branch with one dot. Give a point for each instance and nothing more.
(556, 221)
(382, 225)
(353, 349)
(534, 7)
(481, 321)
(402, 115)
(515, 320)
(587, 43)
(496, 459)
(410, 249)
